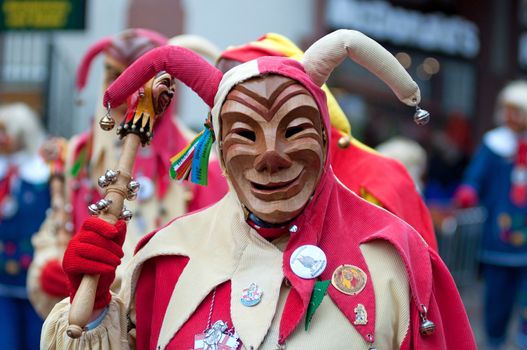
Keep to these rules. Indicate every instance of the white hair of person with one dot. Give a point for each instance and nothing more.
(513, 94)
(22, 123)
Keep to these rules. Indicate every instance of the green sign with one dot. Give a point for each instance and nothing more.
(42, 14)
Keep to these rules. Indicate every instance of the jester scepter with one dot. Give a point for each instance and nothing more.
(145, 106)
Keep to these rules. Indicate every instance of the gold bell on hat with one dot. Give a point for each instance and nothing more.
(107, 123)
(426, 327)
(344, 141)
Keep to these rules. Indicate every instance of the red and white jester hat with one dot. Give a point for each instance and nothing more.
(212, 86)
(125, 48)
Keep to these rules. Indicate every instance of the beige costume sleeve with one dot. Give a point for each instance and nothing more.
(46, 248)
(115, 332)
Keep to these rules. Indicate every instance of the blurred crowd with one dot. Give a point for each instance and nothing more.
(48, 183)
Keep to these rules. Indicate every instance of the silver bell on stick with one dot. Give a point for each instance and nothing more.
(126, 214)
(103, 181)
(133, 186)
(93, 209)
(111, 175)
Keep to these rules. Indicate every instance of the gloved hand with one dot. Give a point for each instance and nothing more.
(53, 280)
(95, 250)
(466, 196)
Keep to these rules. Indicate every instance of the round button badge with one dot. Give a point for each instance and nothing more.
(308, 261)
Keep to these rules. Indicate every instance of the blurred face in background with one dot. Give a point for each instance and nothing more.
(112, 71)
(272, 146)
(515, 118)
(8, 144)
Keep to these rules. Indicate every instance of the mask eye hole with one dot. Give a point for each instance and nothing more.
(247, 134)
(293, 130)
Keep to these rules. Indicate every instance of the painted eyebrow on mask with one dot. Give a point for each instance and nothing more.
(265, 95)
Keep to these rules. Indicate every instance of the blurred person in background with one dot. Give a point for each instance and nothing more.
(380, 180)
(24, 199)
(91, 153)
(410, 154)
(497, 180)
(449, 153)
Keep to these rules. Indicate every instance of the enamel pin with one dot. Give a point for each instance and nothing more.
(216, 337)
(251, 296)
(361, 316)
(349, 279)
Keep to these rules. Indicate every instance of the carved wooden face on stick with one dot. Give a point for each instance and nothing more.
(272, 146)
(163, 89)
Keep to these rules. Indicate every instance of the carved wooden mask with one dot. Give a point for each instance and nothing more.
(163, 89)
(272, 146)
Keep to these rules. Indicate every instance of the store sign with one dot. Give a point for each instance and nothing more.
(430, 32)
(42, 14)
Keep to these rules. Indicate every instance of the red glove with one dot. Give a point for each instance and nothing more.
(95, 250)
(466, 196)
(53, 279)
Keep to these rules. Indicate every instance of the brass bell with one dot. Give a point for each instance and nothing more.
(106, 122)
(421, 116)
(344, 141)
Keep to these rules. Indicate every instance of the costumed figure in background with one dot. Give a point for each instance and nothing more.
(91, 154)
(376, 178)
(24, 199)
(410, 154)
(321, 267)
(497, 180)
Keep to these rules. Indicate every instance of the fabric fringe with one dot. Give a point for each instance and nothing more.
(192, 163)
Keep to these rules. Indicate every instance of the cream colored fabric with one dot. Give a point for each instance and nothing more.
(174, 204)
(329, 51)
(222, 247)
(46, 249)
(112, 333)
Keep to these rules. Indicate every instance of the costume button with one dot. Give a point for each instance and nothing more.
(308, 261)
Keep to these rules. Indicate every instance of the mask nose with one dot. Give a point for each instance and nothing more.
(272, 161)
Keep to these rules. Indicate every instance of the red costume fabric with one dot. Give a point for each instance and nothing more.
(335, 220)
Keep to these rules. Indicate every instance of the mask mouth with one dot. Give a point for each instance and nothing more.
(164, 100)
(277, 190)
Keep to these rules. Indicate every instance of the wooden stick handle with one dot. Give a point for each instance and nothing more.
(82, 305)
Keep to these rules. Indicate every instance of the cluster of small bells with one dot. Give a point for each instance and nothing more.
(110, 177)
